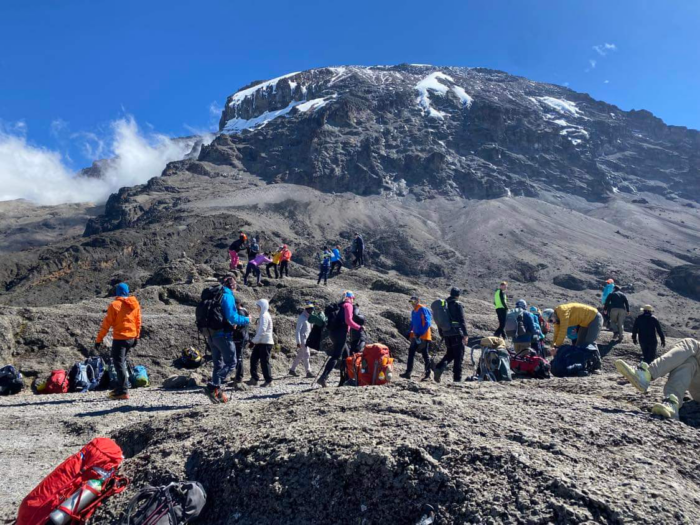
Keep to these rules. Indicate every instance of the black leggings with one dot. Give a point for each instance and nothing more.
(284, 269)
(267, 269)
(501, 330)
(339, 352)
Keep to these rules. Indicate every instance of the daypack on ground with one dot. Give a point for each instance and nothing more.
(494, 365)
(139, 377)
(101, 453)
(373, 366)
(492, 342)
(10, 381)
(441, 315)
(79, 379)
(174, 504)
(575, 361)
(209, 313)
(96, 371)
(191, 358)
(530, 365)
(57, 383)
(515, 324)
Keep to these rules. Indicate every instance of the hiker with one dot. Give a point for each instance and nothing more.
(587, 318)
(325, 265)
(235, 247)
(455, 338)
(542, 327)
(253, 249)
(523, 342)
(124, 318)
(617, 307)
(274, 263)
(336, 260)
(285, 257)
(646, 326)
(302, 333)
(262, 346)
(254, 267)
(682, 366)
(221, 341)
(358, 338)
(420, 337)
(500, 302)
(607, 290)
(240, 339)
(358, 250)
(339, 324)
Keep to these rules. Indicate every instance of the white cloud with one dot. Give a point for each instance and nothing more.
(604, 49)
(606, 82)
(58, 127)
(593, 63)
(41, 175)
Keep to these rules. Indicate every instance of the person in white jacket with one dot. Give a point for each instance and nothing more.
(302, 333)
(262, 346)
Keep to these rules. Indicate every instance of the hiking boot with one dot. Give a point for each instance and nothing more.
(119, 397)
(212, 394)
(252, 382)
(640, 377)
(266, 384)
(405, 375)
(293, 373)
(426, 377)
(237, 380)
(223, 398)
(437, 373)
(310, 375)
(668, 408)
(322, 381)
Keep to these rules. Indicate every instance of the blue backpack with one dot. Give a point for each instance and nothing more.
(139, 377)
(96, 371)
(78, 378)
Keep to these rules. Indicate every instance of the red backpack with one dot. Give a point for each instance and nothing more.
(374, 366)
(530, 365)
(68, 477)
(57, 383)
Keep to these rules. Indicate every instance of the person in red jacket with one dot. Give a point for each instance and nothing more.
(285, 257)
(124, 318)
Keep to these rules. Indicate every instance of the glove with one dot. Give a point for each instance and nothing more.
(635, 341)
(663, 344)
(98, 346)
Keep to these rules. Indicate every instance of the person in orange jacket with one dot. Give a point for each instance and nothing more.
(420, 337)
(124, 318)
(285, 257)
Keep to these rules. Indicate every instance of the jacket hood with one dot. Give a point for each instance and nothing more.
(263, 305)
(131, 302)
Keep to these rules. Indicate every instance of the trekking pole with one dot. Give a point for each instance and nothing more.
(320, 371)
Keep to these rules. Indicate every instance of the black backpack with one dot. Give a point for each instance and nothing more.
(10, 381)
(174, 504)
(240, 333)
(572, 361)
(209, 313)
(334, 314)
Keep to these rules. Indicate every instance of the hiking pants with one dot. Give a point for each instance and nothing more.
(501, 330)
(334, 265)
(682, 365)
(359, 258)
(418, 345)
(254, 269)
(234, 259)
(589, 334)
(284, 269)
(223, 357)
(323, 274)
(267, 269)
(120, 347)
(339, 339)
(455, 352)
(303, 355)
(261, 354)
(240, 345)
(648, 351)
(617, 321)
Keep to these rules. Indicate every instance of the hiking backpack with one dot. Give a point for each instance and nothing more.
(79, 378)
(494, 365)
(575, 361)
(10, 381)
(544, 325)
(57, 383)
(441, 315)
(334, 314)
(531, 366)
(209, 313)
(191, 358)
(96, 372)
(515, 323)
(139, 377)
(318, 319)
(373, 366)
(174, 504)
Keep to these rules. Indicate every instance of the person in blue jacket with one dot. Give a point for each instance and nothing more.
(420, 337)
(523, 342)
(607, 290)
(336, 261)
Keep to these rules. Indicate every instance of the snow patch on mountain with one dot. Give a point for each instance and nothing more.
(237, 125)
(315, 104)
(432, 83)
(245, 93)
(564, 107)
(463, 96)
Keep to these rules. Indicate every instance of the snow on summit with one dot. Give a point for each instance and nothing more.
(245, 93)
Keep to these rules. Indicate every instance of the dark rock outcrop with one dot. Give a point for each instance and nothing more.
(685, 280)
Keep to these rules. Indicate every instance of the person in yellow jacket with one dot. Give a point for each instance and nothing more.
(682, 366)
(587, 318)
(276, 258)
(124, 318)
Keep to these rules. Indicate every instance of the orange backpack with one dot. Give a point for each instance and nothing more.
(374, 366)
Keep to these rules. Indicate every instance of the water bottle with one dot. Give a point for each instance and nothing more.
(86, 496)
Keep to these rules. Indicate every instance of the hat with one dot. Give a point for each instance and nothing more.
(504, 283)
(347, 294)
(413, 299)
(647, 308)
(547, 313)
(454, 292)
(122, 290)
(521, 303)
(534, 310)
(229, 281)
(308, 305)
(610, 281)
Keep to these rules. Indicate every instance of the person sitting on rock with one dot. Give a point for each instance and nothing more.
(235, 247)
(262, 346)
(285, 258)
(324, 265)
(646, 326)
(124, 318)
(587, 318)
(302, 333)
(682, 366)
(455, 339)
(500, 302)
(338, 327)
(618, 308)
(336, 260)
(254, 267)
(420, 337)
(523, 342)
(276, 258)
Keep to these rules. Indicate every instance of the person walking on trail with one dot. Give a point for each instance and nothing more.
(285, 258)
(302, 333)
(253, 249)
(336, 260)
(221, 340)
(682, 366)
(325, 265)
(240, 339)
(522, 343)
(358, 250)
(358, 338)
(421, 338)
(618, 308)
(607, 290)
(587, 318)
(254, 267)
(262, 346)
(124, 318)
(276, 258)
(500, 302)
(339, 324)
(235, 247)
(646, 326)
(455, 338)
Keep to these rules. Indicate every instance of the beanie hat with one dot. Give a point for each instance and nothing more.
(122, 290)
(521, 304)
(455, 292)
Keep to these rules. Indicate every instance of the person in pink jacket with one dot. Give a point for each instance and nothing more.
(340, 322)
(254, 266)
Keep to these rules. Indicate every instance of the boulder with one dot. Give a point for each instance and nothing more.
(571, 282)
(685, 280)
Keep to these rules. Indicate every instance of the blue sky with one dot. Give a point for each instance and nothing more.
(69, 69)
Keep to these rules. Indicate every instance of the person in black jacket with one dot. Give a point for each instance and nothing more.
(358, 250)
(617, 307)
(646, 326)
(455, 338)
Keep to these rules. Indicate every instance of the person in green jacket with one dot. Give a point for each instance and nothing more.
(500, 302)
